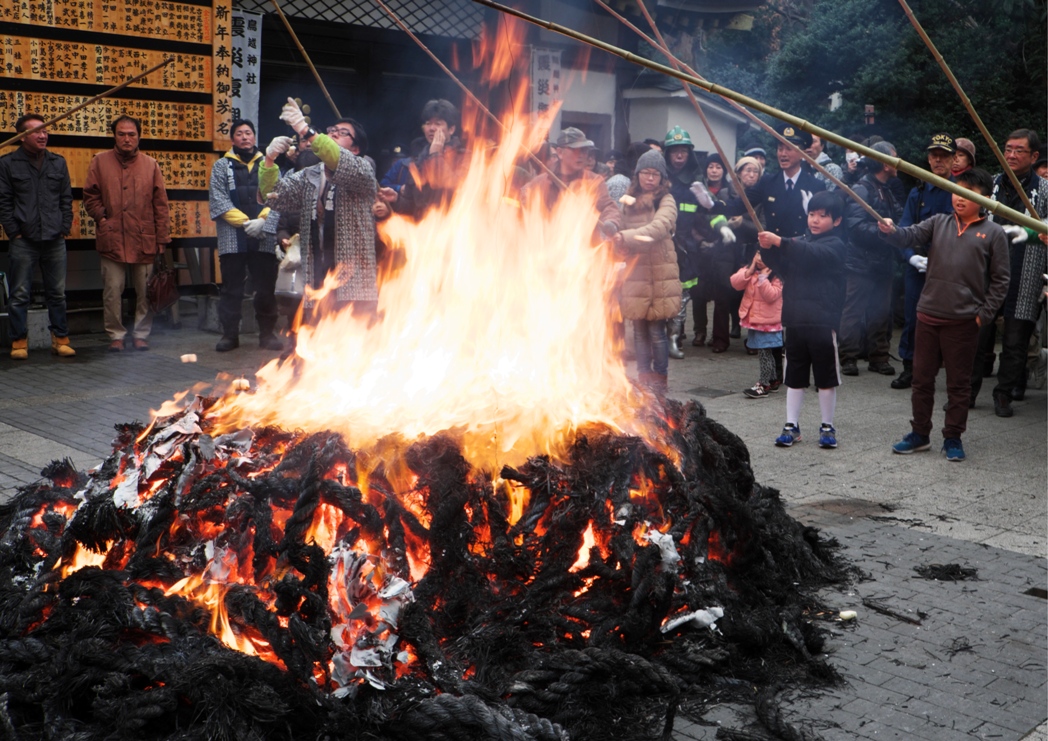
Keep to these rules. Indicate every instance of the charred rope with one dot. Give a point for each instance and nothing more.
(896, 162)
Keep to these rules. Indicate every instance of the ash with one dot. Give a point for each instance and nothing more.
(698, 589)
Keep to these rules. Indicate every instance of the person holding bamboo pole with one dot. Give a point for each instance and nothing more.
(1022, 306)
(924, 200)
(870, 264)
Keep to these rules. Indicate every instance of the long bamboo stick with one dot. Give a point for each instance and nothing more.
(309, 62)
(896, 162)
(469, 93)
(728, 161)
(664, 48)
(971, 109)
(18, 137)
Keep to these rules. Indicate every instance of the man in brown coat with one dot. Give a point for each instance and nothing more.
(125, 196)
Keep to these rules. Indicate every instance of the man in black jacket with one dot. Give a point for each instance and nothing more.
(870, 264)
(36, 212)
(784, 195)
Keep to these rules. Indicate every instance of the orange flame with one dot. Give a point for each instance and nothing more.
(496, 326)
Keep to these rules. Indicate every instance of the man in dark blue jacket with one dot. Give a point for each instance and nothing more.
(870, 264)
(36, 211)
(925, 200)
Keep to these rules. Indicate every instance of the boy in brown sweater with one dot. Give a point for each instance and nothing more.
(967, 280)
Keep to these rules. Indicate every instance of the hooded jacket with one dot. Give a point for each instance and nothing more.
(651, 290)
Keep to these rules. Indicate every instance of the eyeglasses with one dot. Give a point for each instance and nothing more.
(649, 174)
(1016, 150)
(335, 131)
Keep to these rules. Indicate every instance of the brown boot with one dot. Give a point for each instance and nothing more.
(20, 349)
(658, 383)
(60, 346)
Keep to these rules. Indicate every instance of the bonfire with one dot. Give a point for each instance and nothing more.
(461, 520)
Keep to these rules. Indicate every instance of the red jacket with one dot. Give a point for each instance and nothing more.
(761, 306)
(130, 196)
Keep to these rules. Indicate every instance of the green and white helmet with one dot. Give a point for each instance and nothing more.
(676, 137)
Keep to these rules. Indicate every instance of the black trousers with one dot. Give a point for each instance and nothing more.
(262, 266)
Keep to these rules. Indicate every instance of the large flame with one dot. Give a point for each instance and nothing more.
(496, 327)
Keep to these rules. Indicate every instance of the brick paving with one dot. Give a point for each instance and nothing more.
(975, 667)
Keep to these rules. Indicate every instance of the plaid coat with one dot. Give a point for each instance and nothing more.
(356, 188)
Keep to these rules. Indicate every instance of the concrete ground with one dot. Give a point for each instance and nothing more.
(995, 502)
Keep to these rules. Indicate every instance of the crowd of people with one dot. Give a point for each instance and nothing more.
(813, 280)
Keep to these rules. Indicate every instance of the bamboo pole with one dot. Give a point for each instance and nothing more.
(464, 89)
(782, 140)
(896, 162)
(18, 137)
(728, 161)
(302, 51)
(971, 109)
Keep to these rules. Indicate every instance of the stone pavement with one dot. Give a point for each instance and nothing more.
(975, 666)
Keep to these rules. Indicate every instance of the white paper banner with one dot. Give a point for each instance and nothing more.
(245, 64)
(545, 79)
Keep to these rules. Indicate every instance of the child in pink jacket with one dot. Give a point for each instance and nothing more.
(761, 313)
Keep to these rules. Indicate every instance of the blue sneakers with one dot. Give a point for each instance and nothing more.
(914, 443)
(827, 436)
(791, 434)
(953, 449)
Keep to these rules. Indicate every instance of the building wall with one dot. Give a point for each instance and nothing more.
(589, 104)
(653, 117)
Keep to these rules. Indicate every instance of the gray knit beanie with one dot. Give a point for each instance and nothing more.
(652, 159)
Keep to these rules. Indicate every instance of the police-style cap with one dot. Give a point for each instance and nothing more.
(944, 142)
(573, 138)
(795, 136)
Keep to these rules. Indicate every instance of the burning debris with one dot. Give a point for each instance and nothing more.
(269, 584)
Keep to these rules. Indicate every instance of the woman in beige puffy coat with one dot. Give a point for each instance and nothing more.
(651, 292)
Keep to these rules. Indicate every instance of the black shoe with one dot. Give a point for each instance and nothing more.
(270, 342)
(227, 343)
(904, 381)
(1018, 394)
(885, 369)
(1002, 405)
(849, 368)
(735, 332)
(699, 340)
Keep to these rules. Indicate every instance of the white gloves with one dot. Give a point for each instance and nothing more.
(253, 228)
(727, 235)
(278, 146)
(805, 198)
(702, 195)
(921, 263)
(1017, 234)
(291, 114)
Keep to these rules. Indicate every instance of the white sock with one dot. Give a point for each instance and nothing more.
(828, 404)
(794, 401)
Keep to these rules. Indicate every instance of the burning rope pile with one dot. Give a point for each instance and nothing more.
(273, 585)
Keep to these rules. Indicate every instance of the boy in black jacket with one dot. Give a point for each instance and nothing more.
(813, 281)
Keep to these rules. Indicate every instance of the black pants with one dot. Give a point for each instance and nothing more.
(866, 319)
(263, 269)
(1012, 372)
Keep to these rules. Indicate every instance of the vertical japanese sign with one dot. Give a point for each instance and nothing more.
(246, 62)
(222, 49)
(545, 81)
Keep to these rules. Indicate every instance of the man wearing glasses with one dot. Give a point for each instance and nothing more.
(334, 198)
(36, 212)
(1022, 306)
